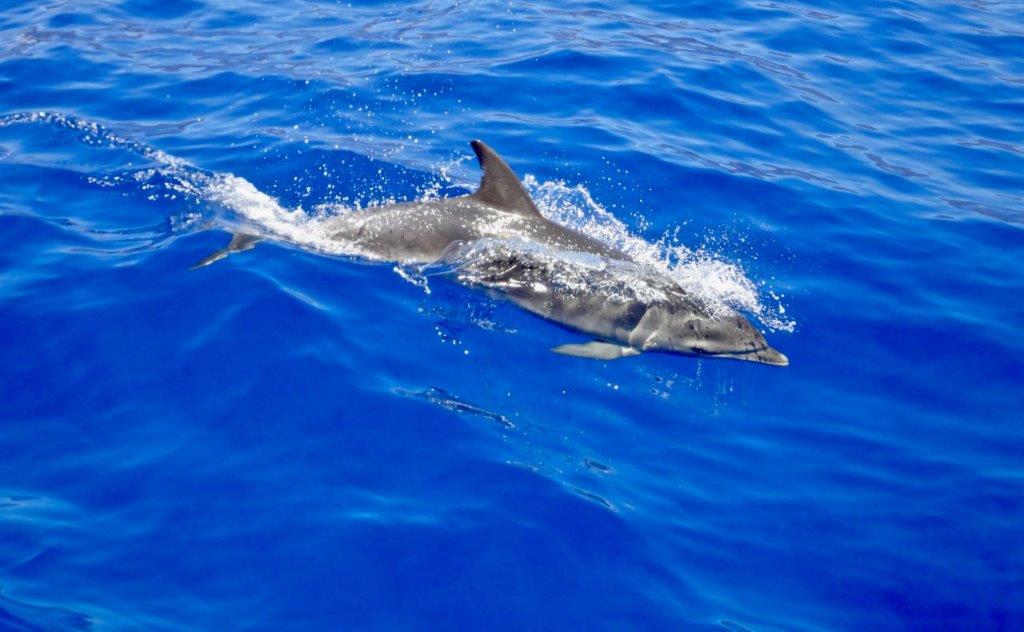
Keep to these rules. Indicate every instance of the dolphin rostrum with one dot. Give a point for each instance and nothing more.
(497, 239)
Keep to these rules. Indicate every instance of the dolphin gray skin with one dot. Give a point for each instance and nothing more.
(497, 239)
(629, 308)
(420, 232)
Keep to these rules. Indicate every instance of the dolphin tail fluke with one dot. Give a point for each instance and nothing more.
(597, 350)
(240, 242)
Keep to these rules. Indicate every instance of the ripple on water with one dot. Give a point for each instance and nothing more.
(299, 441)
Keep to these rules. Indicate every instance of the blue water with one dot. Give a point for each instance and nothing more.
(290, 439)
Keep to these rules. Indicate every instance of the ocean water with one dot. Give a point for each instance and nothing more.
(294, 438)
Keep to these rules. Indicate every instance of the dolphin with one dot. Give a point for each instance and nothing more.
(496, 238)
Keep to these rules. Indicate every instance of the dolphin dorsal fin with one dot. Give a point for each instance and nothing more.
(500, 187)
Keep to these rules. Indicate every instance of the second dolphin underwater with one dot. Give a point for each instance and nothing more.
(497, 239)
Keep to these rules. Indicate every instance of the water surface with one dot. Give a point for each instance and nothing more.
(292, 439)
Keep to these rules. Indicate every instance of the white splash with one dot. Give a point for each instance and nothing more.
(257, 210)
(720, 284)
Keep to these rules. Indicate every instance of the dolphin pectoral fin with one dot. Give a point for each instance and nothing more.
(597, 350)
(240, 242)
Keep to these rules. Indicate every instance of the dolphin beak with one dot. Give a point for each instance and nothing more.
(764, 356)
(770, 356)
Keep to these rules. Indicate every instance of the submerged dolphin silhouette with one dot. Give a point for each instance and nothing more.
(629, 308)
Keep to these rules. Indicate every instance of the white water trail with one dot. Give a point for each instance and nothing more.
(721, 285)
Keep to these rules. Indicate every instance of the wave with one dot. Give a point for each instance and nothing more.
(230, 202)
